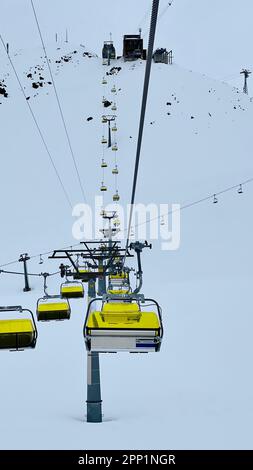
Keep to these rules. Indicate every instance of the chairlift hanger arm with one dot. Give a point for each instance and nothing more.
(91, 254)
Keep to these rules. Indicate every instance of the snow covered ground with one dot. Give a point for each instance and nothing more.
(197, 392)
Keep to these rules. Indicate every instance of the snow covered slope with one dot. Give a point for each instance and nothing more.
(197, 393)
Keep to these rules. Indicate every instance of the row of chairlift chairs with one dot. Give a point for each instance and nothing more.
(115, 171)
(118, 321)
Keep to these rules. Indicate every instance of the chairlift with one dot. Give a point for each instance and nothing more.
(115, 147)
(114, 107)
(123, 325)
(116, 197)
(103, 164)
(113, 90)
(103, 100)
(104, 119)
(103, 187)
(215, 199)
(103, 140)
(240, 190)
(53, 307)
(115, 170)
(105, 61)
(72, 290)
(104, 81)
(162, 220)
(116, 222)
(114, 128)
(17, 333)
(41, 260)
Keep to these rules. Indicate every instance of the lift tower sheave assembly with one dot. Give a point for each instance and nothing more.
(100, 258)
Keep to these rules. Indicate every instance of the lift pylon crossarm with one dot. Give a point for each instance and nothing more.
(11, 308)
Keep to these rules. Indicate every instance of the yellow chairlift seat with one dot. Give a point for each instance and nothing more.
(115, 147)
(104, 81)
(113, 90)
(116, 197)
(118, 291)
(116, 222)
(72, 290)
(103, 164)
(115, 170)
(114, 128)
(103, 187)
(18, 333)
(118, 276)
(123, 326)
(104, 119)
(53, 308)
(114, 107)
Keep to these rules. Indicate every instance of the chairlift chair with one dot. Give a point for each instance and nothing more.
(103, 140)
(115, 147)
(103, 188)
(113, 90)
(103, 164)
(104, 119)
(17, 333)
(115, 170)
(123, 325)
(116, 197)
(114, 128)
(114, 107)
(53, 307)
(104, 81)
(72, 290)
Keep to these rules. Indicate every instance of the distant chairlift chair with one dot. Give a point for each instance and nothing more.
(52, 307)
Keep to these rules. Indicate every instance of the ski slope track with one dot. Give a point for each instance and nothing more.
(197, 392)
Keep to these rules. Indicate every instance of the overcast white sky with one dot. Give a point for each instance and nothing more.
(209, 36)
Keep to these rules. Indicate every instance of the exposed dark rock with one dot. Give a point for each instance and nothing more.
(89, 118)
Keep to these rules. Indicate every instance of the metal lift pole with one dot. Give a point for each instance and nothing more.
(94, 402)
(23, 259)
(109, 134)
(101, 280)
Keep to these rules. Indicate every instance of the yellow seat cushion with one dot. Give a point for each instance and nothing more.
(140, 321)
(118, 276)
(16, 326)
(118, 291)
(120, 307)
(71, 289)
(53, 307)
